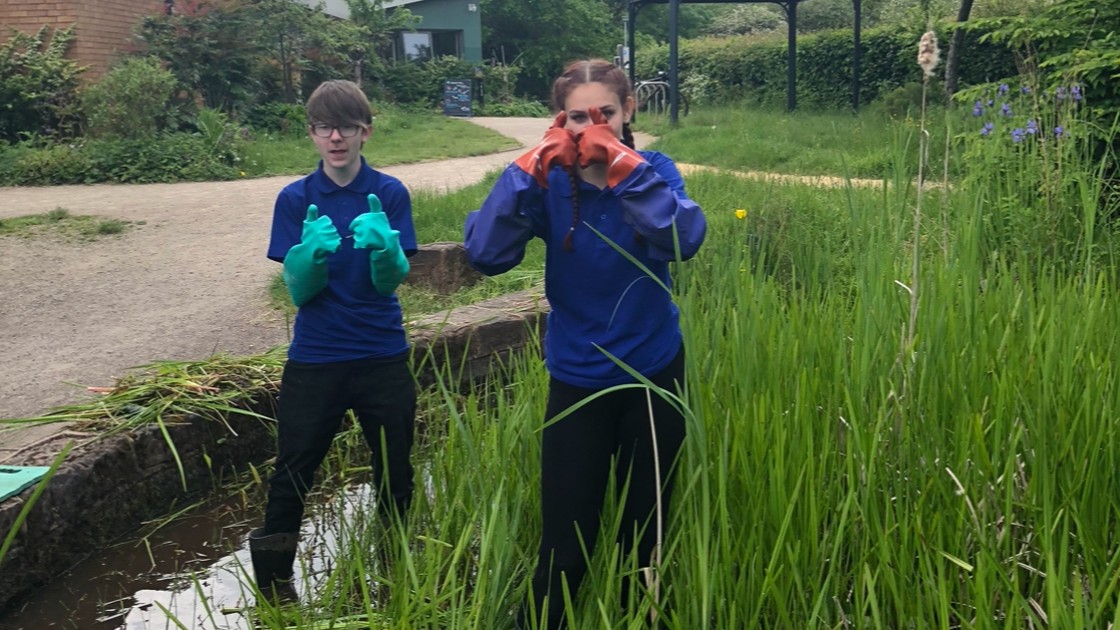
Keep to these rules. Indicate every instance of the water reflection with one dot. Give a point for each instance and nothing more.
(194, 573)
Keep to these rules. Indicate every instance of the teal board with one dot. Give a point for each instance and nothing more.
(14, 479)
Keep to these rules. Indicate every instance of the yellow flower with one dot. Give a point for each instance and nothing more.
(243, 173)
(740, 213)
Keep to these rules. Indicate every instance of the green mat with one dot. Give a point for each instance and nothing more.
(14, 479)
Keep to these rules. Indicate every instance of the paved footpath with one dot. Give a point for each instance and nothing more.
(188, 282)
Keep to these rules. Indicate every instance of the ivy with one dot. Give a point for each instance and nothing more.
(38, 85)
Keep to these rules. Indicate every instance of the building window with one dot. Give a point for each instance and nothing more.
(417, 46)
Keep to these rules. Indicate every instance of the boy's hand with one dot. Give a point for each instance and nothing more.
(599, 145)
(557, 148)
(319, 234)
(371, 229)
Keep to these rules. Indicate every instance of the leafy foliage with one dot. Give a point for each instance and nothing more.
(754, 67)
(1067, 42)
(38, 85)
(131, 101)
(208, 47)
(165, 158)
(543, 35)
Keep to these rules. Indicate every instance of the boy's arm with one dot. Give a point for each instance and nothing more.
(387, 261)
(305, 264)
(495, 235)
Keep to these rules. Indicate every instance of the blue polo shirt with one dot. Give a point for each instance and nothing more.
(348, 320)
(599, 299)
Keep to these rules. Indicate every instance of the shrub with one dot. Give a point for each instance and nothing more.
(165, 158)
(514, 107)
(277, 117)
(753, 68)
(131, 101)
(38, 85)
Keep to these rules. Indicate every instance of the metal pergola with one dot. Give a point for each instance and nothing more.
(790, 8)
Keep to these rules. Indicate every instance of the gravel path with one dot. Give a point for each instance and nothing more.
(189, 282)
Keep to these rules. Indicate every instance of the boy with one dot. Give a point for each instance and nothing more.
(349, 349)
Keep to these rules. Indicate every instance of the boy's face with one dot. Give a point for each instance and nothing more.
(339, 153)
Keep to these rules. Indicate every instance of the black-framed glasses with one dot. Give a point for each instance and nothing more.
(325, 131)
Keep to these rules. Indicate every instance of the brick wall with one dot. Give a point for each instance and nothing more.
(104, 27)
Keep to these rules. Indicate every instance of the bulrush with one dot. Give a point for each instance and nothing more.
(928, 53)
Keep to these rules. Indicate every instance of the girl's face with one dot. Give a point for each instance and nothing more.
(583, 97)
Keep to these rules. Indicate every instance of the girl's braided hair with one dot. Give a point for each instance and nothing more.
(579, 73)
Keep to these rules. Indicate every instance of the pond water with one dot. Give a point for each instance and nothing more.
(195, 571)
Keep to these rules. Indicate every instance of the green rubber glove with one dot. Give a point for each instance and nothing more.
(387, 263)
(305, 265)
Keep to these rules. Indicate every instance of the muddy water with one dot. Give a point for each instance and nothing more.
(195, 572)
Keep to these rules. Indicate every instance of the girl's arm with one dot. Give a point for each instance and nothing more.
(495, 235)
(654, 203)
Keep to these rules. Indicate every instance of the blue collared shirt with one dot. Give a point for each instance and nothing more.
(349, 319)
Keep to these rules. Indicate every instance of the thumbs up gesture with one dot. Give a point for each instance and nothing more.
(319, 234)
(371, 229)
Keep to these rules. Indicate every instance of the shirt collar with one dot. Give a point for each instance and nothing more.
(361, 183)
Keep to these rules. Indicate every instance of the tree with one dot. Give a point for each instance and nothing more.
(543, 35)
(206, 45)
(952, 59)
(375, 27)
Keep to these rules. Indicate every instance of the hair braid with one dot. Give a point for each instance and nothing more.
(573, 177)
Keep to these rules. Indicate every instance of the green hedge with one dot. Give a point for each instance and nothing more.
(753, 69)
(167, 158)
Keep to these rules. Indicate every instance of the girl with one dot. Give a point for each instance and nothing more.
(585, 177)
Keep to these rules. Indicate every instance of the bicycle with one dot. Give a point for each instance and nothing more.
(652, 96)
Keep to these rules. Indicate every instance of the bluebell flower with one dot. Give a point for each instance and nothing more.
(991, 102)
(1075, 91)
(987, 129)
(1025, 89)
(1058, 130)
(1003, 88)
(1006, 109)
(977, 109)
(1017, 134)
(1032, 126)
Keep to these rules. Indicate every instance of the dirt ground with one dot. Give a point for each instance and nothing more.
(188, 282)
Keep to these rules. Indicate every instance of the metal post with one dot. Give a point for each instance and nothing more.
(631, 17)
(856, 53)
(674, 105)
(791, 56)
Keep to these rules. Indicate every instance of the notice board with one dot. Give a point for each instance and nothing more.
(457, 97)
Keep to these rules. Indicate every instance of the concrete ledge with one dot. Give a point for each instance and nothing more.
(441, 267)
(108, 486)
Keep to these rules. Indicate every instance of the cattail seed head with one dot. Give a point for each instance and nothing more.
(928, 53)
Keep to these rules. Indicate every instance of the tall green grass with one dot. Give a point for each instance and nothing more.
(814, 489)
(803, 143)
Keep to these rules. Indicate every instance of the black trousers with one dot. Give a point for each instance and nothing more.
(313, 400)
(576, 458)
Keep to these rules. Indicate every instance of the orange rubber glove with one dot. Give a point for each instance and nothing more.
(599, 145)
(557, 148)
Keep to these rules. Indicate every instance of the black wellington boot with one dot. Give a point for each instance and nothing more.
(273, 560)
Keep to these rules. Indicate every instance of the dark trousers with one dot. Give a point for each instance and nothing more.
(313, 400)
(576, 458)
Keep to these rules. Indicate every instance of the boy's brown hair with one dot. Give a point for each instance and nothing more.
(337, 103)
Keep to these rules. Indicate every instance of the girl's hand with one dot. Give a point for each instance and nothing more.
(598, 144)
(557, 148)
